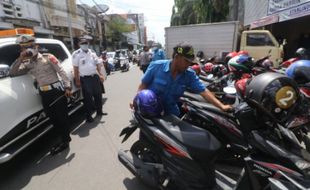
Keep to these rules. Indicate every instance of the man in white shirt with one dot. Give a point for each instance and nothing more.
(88, 76)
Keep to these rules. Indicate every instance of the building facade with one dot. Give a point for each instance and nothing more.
(286, 19)
(63, 20)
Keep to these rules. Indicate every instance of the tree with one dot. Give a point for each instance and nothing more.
(199, 11)
(116, 27)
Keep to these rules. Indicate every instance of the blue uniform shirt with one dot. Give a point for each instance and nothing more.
(158, 54)
(158, 78)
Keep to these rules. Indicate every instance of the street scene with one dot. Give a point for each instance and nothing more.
(145, 95)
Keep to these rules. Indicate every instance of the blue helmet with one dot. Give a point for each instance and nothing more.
(299, 71)
(147, 103)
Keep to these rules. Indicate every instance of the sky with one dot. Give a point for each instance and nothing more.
(157, 13)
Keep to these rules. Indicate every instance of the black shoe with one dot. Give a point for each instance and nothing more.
(89, 119)
(101, 113)
(59, 148)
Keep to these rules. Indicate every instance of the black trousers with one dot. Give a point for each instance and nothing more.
(57, 110)
(144, 67)
(92, 93)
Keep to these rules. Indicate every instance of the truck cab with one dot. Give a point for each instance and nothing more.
(260, 43)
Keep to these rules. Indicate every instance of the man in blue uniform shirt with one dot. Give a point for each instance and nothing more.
(170, 78)
(158, 54)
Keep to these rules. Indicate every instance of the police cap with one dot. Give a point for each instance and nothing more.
(24, 40)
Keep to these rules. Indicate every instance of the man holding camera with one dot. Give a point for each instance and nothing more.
(44, 68)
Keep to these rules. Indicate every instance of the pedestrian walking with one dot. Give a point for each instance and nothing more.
(87, 73)
(145, 58)
(44, 68)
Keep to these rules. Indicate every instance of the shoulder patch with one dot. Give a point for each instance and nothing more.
(53, 59)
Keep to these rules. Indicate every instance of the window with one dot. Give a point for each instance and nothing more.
(54, 49)
(259, 40)
(8, 54)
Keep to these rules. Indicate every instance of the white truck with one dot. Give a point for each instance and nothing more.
(22, 119)
(218, 39)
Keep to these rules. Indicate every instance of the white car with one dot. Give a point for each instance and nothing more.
(21, 113)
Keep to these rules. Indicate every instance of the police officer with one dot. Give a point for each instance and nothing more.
(44, 68)
(87, 74)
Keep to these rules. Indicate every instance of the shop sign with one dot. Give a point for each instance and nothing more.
(276, 6)
(299, 11)
(265, 21)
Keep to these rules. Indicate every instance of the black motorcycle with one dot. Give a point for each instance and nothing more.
(170, 153)
(173, 154)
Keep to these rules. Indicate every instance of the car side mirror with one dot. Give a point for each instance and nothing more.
(4, 70)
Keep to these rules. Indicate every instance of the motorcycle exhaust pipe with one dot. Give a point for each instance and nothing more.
(145, 172)
(124, 158)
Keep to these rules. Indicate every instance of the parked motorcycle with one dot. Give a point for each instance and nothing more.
(173, 154)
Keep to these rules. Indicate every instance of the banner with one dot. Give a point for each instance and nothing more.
(276, 6)
(299, 11)
(265, 21)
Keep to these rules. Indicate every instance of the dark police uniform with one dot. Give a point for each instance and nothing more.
(90, 81)
(44, 68)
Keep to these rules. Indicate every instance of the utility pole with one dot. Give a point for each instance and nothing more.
(70, 25)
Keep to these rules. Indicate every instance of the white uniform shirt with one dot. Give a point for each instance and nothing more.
(86, 61)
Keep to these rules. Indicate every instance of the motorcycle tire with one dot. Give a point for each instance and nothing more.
(145, 152)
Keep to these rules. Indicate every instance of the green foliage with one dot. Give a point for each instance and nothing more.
(199, 11)
(116, 27)
(118, 24)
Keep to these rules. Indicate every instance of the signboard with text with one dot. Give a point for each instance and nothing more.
(299, 11)
(276, 6)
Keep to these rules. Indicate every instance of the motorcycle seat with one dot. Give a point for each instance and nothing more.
(209, 107)
(199, 142)
(193, 96)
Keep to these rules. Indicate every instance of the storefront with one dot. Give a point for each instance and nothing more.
(286, 19)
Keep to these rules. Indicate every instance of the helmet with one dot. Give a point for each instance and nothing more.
(229, 56)
(299, 71)
(267, 63)
(147, 104)
(273, 95)
(240, 86)
(219, 70)
(241, 63)
(300, 52)
(196, 68)
(200, 54)
(242, 52)
(208, 67)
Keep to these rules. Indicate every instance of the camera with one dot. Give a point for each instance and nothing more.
(29, 53)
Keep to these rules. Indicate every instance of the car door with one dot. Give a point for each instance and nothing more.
(21, 106)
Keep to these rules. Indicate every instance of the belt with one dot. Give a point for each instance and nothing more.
(87, 76)
(57, 85)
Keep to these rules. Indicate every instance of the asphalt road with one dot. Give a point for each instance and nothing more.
(91, 162)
